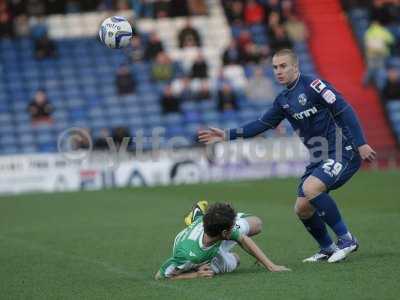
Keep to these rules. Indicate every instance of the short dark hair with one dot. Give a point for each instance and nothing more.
(218, 217)
(289, 52)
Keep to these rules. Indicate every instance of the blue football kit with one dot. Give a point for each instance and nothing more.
(325, 122)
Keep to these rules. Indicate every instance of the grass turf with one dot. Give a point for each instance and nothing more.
(109, 244)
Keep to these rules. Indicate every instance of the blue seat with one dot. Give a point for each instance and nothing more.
(210, 116)
(137, 122)
(26, 139)
(28, 148)
(47, 147)
(118, 120)
(96, 112)
(192, 117)
(5, 118)
(78, 114)
(188, 106)
(8, 140)
(10, 150)
(394, 105)
(173, 118)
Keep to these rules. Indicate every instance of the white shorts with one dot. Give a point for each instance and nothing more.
(225, 261)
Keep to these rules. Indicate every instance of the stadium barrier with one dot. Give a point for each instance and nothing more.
(95, 171)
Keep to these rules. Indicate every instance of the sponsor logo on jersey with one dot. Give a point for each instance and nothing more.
(192, 254)
(329, 96)
(305, 113)
(285, 106)
(302, 99)
(318, 86)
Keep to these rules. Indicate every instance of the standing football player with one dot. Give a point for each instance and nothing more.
(329, 128)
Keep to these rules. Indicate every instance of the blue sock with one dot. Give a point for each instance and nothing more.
(327, 209)
(316, 227)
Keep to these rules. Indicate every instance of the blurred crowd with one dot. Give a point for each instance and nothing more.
(243, 63)
(381, 44)
(259, 28)
(15, 14)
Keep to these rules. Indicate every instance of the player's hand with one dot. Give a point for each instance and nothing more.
(276, 268)
(211, 135)
(205, 271)
(367, 153)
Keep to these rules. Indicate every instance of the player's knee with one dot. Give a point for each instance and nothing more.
(303, 209)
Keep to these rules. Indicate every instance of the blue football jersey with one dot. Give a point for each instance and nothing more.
(311, 106)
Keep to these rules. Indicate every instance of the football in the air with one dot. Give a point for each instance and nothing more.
(115, 32)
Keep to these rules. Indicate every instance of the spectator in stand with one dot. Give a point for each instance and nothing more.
(154, 46)
(100, 143)
(391, 90)
(189, 36)
(382, 11)
(122, 136)
(122, 5)
(253, 13)
(274, 20)
(197, 8)
(106, 5)
(179, 8)
(200, 90)
(40, 109)
(244, 39)
(251, 54)
(170, 103)
(227, 99)
(44, 47)
(199, 67)
(279, 39)
(260, 88)
(72, 6)
(287, 10)
(161, 8)
(21, 26)
(35, 8)
(234, 74)
(18, 7)
(235, 12)
(232, 55)
(136, 51)
(59, 6)
(295, 28)
(142, 8)
(6, 22)
(378, 41)
(274, 6)
(124, 81)
(163, 68)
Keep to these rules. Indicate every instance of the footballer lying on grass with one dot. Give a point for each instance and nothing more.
(203, 249)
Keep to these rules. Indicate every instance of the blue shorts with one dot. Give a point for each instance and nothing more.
(331, 172)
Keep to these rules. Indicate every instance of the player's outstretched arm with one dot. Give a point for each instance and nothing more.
(269, 120)
(204, 271)
(251, 247)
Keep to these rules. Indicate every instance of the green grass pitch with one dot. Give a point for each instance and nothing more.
(109, 244)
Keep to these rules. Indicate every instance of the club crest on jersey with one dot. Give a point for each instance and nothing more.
(302, 99)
